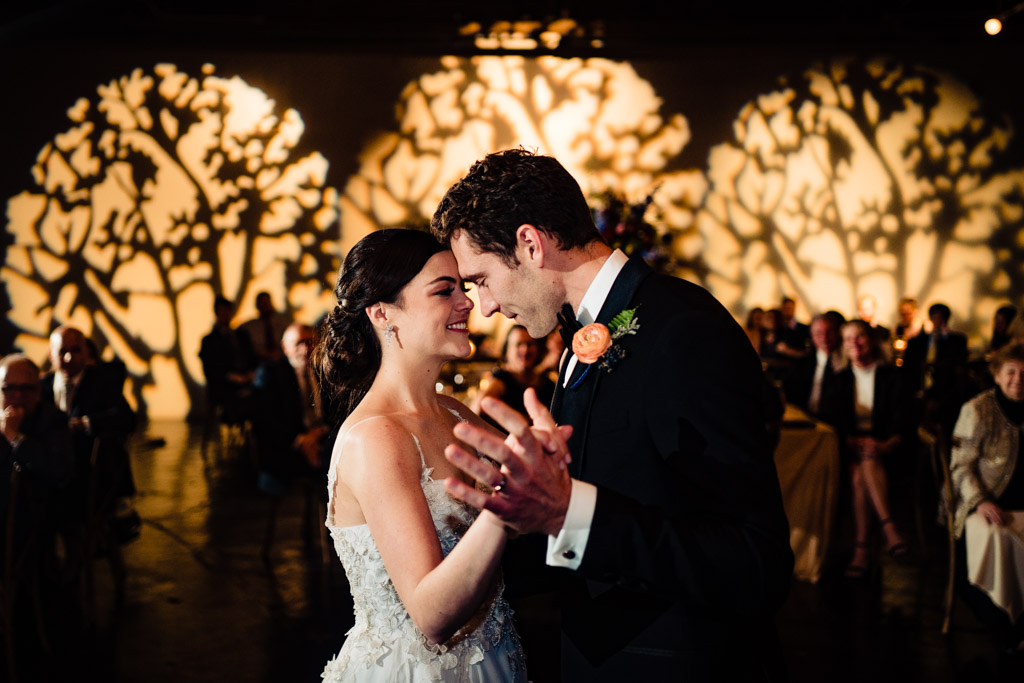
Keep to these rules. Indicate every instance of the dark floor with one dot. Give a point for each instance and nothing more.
(201, 604)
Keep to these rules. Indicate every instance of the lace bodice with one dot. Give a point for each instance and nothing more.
(383, 629)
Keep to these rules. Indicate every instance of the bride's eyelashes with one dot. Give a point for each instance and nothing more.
(450, 290)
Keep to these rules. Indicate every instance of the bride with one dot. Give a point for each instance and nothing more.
(424, 568)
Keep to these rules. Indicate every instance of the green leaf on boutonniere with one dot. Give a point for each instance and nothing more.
(624, 323)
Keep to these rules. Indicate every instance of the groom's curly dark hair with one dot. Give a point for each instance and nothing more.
(510, 188)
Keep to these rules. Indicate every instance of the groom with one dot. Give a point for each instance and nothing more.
(671, 524)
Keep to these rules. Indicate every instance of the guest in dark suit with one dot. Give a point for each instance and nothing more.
(228, 364)
(290, 434)
(867, 406)
(794, 336)
(96, 409)
(867, 310)
(810, 378)
(936, 367)
(671, 526)
(266, 329)
(36, 439)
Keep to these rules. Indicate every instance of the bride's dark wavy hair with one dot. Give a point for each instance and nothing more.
(347, 354)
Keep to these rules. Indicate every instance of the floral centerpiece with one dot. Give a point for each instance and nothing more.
(625, 226)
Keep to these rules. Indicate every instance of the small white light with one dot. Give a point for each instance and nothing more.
(439, 387)
(459, 379)
(993, 26)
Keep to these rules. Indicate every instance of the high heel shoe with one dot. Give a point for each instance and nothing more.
(857, 571)
(899, 550)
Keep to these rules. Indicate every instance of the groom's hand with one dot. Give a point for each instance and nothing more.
(535, 494)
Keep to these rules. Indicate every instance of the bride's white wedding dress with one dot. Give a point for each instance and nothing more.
(384, 644)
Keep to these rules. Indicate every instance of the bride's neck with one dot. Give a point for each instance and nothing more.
(407, 387)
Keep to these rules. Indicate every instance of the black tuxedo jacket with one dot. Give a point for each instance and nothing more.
(799, 381)
(688, 556)
(948, 367)
(99, 397)
(279, 418)
(222, 353)
(891, 412)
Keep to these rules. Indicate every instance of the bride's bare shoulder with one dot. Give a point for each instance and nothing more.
(376, 442)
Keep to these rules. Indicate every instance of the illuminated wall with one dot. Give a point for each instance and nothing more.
(167, 185)
(166, 190)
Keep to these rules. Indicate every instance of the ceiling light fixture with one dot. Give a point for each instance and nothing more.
(994, 25)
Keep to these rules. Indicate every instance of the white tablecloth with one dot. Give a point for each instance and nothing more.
(807, 460)
(995, 560)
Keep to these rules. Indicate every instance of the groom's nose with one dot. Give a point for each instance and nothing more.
(488, 306)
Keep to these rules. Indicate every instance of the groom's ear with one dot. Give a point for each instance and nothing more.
(531, 245)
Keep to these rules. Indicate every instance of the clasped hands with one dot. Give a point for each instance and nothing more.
(533, 478)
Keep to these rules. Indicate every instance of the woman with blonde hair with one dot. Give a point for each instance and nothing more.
(867, 407)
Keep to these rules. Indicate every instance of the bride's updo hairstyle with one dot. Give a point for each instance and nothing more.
(347, 355)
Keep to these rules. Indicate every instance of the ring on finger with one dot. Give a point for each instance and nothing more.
(500, 486)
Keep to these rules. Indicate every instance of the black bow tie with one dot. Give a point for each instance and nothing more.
(567, 319)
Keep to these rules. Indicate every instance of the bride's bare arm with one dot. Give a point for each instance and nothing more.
(382, 470)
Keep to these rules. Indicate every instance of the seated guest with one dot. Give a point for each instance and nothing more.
(935, 366)
(266, 329)
(794, 337)
(867, 407)
(291, 436)
(988, 485)
(1001, 327)
(35, 437)
(516, 373)
(809, 378)
(228, 363)
(755, 319)
(96, 410)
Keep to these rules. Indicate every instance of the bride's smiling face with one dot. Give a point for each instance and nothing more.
(434, 310)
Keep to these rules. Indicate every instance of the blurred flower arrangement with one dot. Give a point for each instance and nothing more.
(625, 226)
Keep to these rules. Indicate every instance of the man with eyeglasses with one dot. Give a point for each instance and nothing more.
(35, 440)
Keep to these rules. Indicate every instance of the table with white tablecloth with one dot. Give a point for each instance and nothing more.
(807, 460)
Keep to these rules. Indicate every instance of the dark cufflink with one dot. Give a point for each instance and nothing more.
(569, 554)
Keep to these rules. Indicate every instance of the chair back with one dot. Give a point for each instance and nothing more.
(938, 449)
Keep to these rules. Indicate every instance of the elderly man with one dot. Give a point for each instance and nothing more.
(96, 409)
(808, 380)
(291, 437)
(290, 434)
(35, 440)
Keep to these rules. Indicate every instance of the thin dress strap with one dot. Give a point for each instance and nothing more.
(332, 474)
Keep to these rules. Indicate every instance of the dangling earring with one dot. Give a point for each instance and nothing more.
(388, 331)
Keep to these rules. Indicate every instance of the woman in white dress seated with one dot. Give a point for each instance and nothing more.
(424, 569)
(988, 482)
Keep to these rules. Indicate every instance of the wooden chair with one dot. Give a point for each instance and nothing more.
(938, 450)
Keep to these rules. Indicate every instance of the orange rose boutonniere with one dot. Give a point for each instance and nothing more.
(590, 342)
(598, 342)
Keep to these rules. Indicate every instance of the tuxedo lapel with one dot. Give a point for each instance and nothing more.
(577, 402)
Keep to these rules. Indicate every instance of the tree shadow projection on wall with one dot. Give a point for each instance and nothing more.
(866, 177)
(167, 190)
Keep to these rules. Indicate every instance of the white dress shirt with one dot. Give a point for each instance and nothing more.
(814, 403)
(566, 549)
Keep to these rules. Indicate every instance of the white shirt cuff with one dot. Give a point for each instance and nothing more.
(566, 549)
